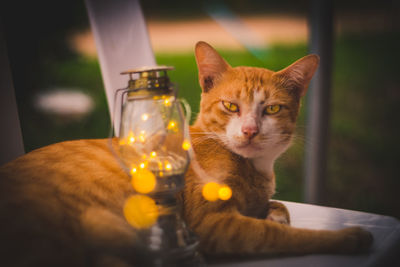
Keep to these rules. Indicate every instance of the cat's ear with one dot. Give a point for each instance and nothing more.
(210, 64)
(298, 75)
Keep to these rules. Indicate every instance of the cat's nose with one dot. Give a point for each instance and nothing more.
(250, 131)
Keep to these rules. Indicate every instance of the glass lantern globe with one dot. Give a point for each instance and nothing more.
(154, 146)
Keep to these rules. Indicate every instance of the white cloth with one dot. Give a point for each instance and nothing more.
(384, 252)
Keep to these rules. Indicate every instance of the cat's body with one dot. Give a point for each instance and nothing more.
(62, 204)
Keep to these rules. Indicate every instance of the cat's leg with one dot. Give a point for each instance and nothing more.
(231, 232)
(278, 212)
(110, 240)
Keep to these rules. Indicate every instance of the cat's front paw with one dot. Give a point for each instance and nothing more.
(279, 218)
(278, 212)
(356, 239)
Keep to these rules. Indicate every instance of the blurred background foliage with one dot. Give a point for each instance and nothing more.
(363, 172)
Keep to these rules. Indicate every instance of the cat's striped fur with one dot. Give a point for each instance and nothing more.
(61, 205)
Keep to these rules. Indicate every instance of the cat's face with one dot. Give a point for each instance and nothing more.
(250, 113)
(253, 111)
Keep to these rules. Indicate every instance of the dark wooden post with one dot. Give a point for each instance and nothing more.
(318, 101)
(11, 142)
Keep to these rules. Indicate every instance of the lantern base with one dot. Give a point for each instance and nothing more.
(168, 242)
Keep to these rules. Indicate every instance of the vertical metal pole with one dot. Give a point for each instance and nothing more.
(318, 101)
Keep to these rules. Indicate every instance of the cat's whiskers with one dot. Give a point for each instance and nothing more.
(297, 140)
(220, 138)
(274, 137)
(205, 137)
(224, 140)
(204, 133)
(200, 140)
(303, 140)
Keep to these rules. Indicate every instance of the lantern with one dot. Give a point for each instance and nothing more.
(154, 149)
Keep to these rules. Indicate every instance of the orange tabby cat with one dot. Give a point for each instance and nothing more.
(247, 119)
(61, 205)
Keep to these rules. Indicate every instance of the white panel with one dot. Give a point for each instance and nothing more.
(122, 43)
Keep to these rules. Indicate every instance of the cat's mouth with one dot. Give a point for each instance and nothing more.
(248, 149)
(245, 144)
(249, 145)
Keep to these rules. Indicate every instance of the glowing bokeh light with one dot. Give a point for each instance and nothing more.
(131, 138)
(143, 181)
(224, 192)
(141, 211)
(142, 165)
(122, 142)
(210, 191)
(142, 137)
(145, 117)
(167, 102)
(213, 191)
(168, 166)
(153, 154)
(133, 170)
(171, 125)
(186, 145)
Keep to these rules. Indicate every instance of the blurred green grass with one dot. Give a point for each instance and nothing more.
(40, 129)
(363, 151)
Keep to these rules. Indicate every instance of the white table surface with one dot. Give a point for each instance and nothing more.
(384, 252)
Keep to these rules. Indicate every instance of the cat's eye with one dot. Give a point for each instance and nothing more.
(272, 109)
(230, 106)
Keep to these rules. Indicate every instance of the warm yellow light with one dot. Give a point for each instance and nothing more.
(167, 102)
(145, 117)
(171, 125)
(142, 165)
(224, 192)
(133, 170)
(141, 211)
(131, 138)
(144, 156)
(142, 138)
(168, 166)
(153, 154)
(143, 181)
(210, 191)
(186, 145)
